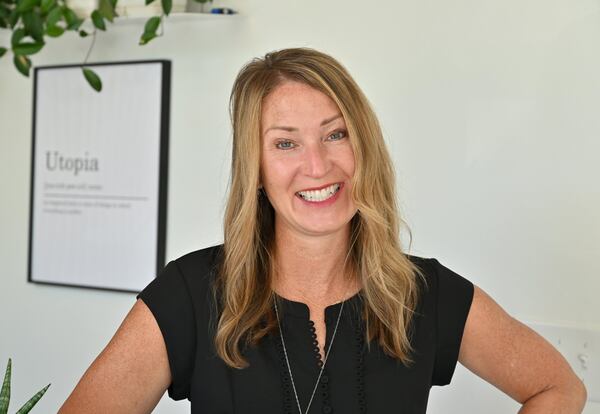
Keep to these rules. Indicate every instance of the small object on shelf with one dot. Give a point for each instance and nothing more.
(222, 10)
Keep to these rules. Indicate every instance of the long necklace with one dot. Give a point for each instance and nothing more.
(287, 361)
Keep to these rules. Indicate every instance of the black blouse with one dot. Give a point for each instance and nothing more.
(356, 379)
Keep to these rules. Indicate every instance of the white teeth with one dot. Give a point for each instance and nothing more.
(320, 195)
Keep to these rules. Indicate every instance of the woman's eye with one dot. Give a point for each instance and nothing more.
(285, 145)
(336, 136)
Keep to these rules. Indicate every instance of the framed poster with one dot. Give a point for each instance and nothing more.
(99, 175)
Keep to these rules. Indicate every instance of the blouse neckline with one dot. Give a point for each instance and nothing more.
(301, 310)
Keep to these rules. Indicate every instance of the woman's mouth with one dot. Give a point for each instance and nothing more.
(317, 196)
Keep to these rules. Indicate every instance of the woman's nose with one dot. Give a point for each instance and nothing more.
(316, 161)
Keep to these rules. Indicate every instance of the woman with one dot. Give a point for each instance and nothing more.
(310, 305)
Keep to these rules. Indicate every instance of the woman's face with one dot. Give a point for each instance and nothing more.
(307, 161)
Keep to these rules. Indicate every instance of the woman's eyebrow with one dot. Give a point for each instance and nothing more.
(294, 129)
(330, 120)
(284, 128)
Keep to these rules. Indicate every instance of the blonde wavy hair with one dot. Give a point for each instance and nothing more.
(243, 286)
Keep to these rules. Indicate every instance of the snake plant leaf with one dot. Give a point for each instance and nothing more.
(47, 5)
(93, 79)
(98, 20)
(2, 51)
(23, 64)
(28, 48)
(106, 10)
(33, 401)
(34, 25)
(5, 392)
(167, 5)
(17, 36)
(26, 5)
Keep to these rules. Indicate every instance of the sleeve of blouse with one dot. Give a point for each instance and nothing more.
(169, 300)
(454, 297)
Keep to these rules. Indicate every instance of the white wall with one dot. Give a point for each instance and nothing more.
(490, 110)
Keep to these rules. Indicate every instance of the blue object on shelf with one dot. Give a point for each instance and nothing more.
(222, 10)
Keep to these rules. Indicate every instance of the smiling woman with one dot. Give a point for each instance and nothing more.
(311, 304)
(314, 169)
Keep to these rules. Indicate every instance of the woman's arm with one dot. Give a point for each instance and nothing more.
(518, 361)
(130, 375)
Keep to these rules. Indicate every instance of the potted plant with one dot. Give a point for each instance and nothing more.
(5, 394)
(33, 22)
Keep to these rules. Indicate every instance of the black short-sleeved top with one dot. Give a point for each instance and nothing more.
(355, 379)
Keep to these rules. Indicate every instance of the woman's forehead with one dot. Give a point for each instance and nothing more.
(297, 102)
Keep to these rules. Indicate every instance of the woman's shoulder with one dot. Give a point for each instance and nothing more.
(199, 269)
(189, 275)
(439, 278)
(426, 265)
(201, 261)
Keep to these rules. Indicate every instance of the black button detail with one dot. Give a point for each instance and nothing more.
(327, 409)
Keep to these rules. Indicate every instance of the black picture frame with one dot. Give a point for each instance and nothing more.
(163, 168)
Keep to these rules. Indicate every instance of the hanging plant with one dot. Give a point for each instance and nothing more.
(5, 394)
(32, 22)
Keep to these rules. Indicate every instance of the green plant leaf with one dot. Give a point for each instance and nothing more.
(33, 401)
(98, 20)
(69, 15)
(149, 2)
(4, 11)
(23, 64)
(73, 22)
(47, 5)
(26, 5)
(17, 36)
(13, 19)
(167, 5)
(5, 392)
(93, 79)
(106, 10)
(152, 24)
(34, 25)
(28, 48)
(83, 33)
(2, 51)
(54, 31)
(54, 16)
(146, 37)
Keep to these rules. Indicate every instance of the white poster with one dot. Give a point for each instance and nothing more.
(99, 175)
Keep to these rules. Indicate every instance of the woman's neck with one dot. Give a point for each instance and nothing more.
(311, 269)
